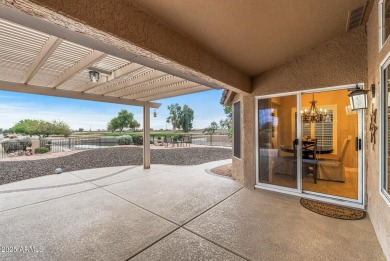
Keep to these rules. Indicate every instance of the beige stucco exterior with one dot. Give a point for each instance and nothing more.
(326, 66)
(377, 208)
(351, 58)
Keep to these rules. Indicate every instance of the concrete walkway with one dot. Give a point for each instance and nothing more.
(168, 213)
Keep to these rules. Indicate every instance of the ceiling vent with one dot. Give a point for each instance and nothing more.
(355, 17)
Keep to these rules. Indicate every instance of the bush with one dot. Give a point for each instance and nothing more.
(138, 140)
(46, 143)
(177, 137)
(124, 140)
(41, 150)
(25, 142)
(16, 145)
(11, 146)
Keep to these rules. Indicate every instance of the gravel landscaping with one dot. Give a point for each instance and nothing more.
(11, 171)
(224, 170)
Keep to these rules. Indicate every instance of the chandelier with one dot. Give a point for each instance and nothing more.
(313, 115)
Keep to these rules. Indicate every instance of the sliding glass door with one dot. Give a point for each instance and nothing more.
(277, 157)
(330, 143)
(310, 143)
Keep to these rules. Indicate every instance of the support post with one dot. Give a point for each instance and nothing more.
(146, 137)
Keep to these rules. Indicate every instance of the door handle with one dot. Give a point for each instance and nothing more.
(358, 144)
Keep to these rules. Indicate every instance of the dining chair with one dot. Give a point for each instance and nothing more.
(309, 161)
(309, 149)
(333, 169)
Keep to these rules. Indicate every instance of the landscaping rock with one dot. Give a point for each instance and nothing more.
(11, 171)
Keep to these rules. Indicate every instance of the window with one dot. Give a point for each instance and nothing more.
(237, 129)
(384, 26)
(324, 132)
(385, 131)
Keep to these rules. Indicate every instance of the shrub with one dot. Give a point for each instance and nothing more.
(25, 142)
(138, 140)
(10, 146)
(124, 140)
(177, 137)
(46, 143)
(41, 150)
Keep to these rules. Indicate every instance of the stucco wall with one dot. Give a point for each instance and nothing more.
(378, 210)
(340, 61)
(244, 168)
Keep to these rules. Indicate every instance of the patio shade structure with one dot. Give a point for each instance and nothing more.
(38, 63)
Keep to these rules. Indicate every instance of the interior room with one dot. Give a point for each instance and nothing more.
(329, 160)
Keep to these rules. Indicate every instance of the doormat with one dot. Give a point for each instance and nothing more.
(333, 211)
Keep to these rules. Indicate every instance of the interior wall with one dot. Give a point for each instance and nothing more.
(378, 209)
(347, 125)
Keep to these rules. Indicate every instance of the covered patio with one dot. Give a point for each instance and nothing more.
(71, 66)
(169, 213)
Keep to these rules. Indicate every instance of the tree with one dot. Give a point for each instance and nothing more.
(212, 128)
(113, 125)
(124, 120)
(186, 118)
(134, 124)
(180, 118)
(41, 128)
(227, 122)
(81, 129)
(174, 115)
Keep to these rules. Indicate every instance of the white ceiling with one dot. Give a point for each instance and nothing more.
(254, 35)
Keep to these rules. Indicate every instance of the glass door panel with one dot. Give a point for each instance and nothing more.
(277, 157)
(329, 155)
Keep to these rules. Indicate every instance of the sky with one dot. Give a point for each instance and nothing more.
(95, 115)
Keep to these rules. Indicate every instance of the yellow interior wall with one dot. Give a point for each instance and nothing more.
(346, 124)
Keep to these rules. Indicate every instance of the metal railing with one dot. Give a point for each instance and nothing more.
(18, 148)
(70, 144)
(201, 139)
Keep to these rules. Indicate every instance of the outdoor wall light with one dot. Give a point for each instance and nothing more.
(94, 76)
(358, 98)
(155, 114)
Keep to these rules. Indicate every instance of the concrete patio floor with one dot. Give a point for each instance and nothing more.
(168, 213)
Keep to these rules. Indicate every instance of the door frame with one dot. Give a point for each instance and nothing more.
(359, 203)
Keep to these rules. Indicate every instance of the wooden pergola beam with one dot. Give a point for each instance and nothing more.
(174, 93)
(161, 90)
(84, 63)
(47, 50)
(33, 89)
(132, 67)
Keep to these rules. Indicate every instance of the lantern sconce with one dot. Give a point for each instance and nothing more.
(358, 98)
(94, 76)
(155, 114)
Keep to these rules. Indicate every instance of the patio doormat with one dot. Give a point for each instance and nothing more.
(333, 211)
